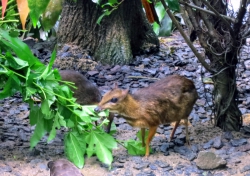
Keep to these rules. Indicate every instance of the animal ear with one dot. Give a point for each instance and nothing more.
(125, 92)
(115, 86)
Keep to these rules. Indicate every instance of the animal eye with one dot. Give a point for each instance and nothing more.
(114, 100)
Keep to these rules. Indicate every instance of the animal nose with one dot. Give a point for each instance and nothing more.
(97, 109)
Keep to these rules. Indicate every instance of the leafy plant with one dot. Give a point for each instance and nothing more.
(135, 147)
(22, 72)
(9, 14)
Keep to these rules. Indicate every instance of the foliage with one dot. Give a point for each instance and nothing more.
(9, 14)
(135, 147)
(22, 72)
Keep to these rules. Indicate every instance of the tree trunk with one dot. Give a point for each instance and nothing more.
(221, 45)
(119, 36)
(227, 113)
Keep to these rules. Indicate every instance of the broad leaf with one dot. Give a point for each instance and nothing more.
(135, 147)
(52, 59)
(166, 26)
(73, 150)
(11, 87)
(45, 107)
(23, 9)
(34, 113)
(83, 116)
(4, 5)
(40, 129)
(101, 146)
(21, 49)
(37, 7)
(51, 14)
(174, 5)
(104, 154)
(107, 140)
(56, 125)
(15, 62)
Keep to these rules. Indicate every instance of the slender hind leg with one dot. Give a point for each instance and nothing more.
(187, 135)
(151, 134)
(143, 136)
(173, 131)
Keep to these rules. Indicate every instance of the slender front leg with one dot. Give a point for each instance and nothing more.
(151, 134)
(143, 136)
(187, 135)
(173, 131)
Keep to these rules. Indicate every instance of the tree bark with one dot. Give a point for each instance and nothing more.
(221, 43)
(120, 35)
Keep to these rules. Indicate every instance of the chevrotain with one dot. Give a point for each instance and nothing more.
(170, 99)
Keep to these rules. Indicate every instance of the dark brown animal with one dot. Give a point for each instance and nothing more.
(63, 167)
(86, 92)
(168, 100)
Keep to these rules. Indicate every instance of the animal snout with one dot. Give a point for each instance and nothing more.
(98, 109)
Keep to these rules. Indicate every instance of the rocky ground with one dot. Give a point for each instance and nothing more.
(211, 152)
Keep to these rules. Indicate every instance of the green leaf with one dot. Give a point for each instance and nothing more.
(101, 145)
(138, 135)
(56, 125)
(160, 10)
(104, 154)
(39, 130)
(106, 13)
(62, 122)
(112, 2)
(81, 140)
(135, 147)
(45, 107)
(20, 48)
(174, 5)
(83, 116)
(15, 62)
(29, 92)
(11, 87)
(166, 26)
(34, 113)
(37, 7)
(107, 140)
(73, 150)
(51, 14)
(52, 59)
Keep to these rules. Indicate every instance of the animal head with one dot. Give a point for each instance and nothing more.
(112, 100)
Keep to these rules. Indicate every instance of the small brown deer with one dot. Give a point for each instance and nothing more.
(86, 92)
(168, 100)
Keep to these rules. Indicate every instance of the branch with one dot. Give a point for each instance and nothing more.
(210, 29)
(240, 16)
(208, 11)
(198, 55)
(222, 19)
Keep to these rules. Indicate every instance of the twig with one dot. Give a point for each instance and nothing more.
(208, 11)
(198, 55)
(222, 18)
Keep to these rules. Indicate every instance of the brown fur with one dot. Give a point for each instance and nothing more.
(86, 92)
(167, 100)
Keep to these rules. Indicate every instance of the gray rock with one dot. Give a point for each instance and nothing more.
(245, 168)
(217, 142)
(208, 160)
(209, 144)
(141, 166)
(161, 164)
(238, 142)
(5, 169)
